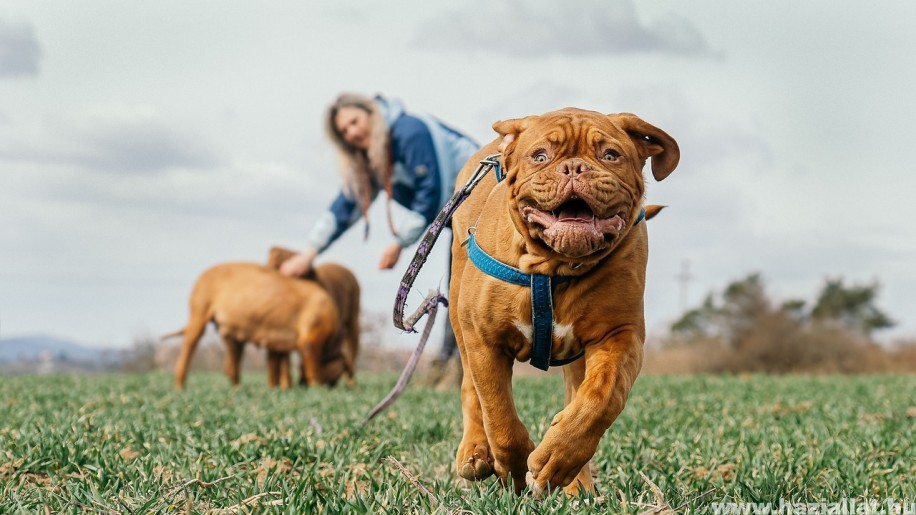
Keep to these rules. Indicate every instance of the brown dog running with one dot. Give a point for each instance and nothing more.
(253, 303)
(573, 190)
(343, 287)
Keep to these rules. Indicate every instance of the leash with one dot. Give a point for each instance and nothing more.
(434, 298)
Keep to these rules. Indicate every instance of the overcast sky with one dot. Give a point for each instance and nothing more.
(142, 142)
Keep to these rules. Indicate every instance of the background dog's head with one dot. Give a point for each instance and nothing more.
(575, 177)
(277, 255)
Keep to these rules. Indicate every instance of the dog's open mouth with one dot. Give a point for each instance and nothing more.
(573, 228)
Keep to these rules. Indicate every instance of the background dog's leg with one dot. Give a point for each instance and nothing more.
(286, 378)
(349, 349)
(302, 380)
(491, 372)
(273, 368)
(332, 372)
(314, 334)
(192, 333)
(611, 368)
(233, 359)
(311, 358)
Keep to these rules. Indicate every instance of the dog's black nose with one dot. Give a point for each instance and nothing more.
(573, 167)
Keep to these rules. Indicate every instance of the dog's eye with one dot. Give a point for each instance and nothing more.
(610, 155)
(540, 156)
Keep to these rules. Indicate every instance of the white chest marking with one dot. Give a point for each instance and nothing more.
(526, 330)
(562, 333)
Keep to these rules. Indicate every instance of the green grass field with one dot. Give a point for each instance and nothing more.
(131, 444)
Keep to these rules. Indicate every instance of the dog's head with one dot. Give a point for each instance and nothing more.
(278, 255)
(575, 177)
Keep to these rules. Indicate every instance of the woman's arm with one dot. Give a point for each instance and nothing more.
(343, 213)
(413, 147)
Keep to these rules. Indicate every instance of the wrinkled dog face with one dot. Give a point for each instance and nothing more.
(575, 176)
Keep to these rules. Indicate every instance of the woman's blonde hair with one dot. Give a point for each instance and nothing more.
(358, 167)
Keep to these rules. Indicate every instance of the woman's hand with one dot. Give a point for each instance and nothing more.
(390, 257)
(298, 265)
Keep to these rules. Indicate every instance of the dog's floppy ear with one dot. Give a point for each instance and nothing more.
(651, 142)
(509, 130)
(277, 256)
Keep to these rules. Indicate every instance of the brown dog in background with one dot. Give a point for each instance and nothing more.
(254, 303)
(573, 191)
(342, 286)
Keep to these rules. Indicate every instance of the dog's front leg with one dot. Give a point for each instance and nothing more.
(311, 359)
(474, 460)
(611, 368)
(491, 372)
(233, 359)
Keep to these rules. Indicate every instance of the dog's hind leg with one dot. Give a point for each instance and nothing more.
(192, 333)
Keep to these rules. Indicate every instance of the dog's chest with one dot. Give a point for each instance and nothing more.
(565, 342)
(505, 318)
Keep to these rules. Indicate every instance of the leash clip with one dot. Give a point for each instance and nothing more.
(491, 161)
(472, 230)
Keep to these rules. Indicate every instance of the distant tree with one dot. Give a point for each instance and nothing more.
(742, 330)
(698, 322)
(141, 357)
(795, 309)
(743, 303)
(853, 307)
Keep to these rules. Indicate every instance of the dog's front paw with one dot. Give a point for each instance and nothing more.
(474, 460)
(557, 463)
(546, 475)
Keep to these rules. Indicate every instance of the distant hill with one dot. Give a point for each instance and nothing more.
(32, 353)
(25, 348)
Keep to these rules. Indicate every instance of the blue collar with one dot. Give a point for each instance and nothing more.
(541, 300)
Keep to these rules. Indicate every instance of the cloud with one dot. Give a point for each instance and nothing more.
(110, 139)
(576, 27)
(19, 50)
(145, 144)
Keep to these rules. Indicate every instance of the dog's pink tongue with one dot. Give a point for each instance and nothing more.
(611, 225)
(575, 212)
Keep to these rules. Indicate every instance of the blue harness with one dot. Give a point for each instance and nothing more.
(541, 296)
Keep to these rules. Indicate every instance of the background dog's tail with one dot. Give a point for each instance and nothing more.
(173, 334)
